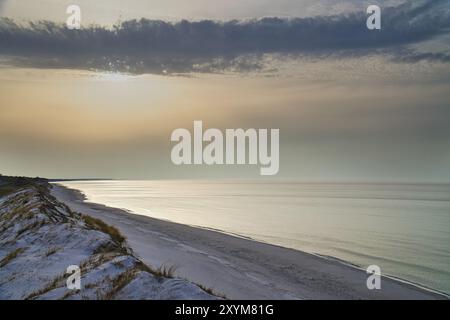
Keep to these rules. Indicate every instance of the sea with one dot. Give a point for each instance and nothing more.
(402, 228)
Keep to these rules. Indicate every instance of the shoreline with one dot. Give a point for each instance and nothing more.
(241, 267)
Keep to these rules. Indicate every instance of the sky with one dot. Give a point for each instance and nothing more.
(107, 12)
(351, 104)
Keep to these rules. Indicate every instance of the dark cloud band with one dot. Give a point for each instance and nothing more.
(149, 46)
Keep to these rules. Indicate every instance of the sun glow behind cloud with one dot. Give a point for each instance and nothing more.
(113, 77)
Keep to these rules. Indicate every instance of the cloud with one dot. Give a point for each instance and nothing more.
(428, 56)
(153, 46)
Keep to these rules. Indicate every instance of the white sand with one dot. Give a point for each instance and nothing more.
(240, 268)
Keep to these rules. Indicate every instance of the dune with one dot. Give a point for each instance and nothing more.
(41, 237)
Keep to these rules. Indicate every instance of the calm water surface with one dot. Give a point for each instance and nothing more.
(404, 229)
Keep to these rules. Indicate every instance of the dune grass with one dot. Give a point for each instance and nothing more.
(211, 291)
(10, 256)
(165, 271)
(98, 224)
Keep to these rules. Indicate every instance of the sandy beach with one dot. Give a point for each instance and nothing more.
(240, 268)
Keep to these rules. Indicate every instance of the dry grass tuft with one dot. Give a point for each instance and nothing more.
(51, 251)
(98, 224)
(165, 271)
(10, 256)
(211, 291)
